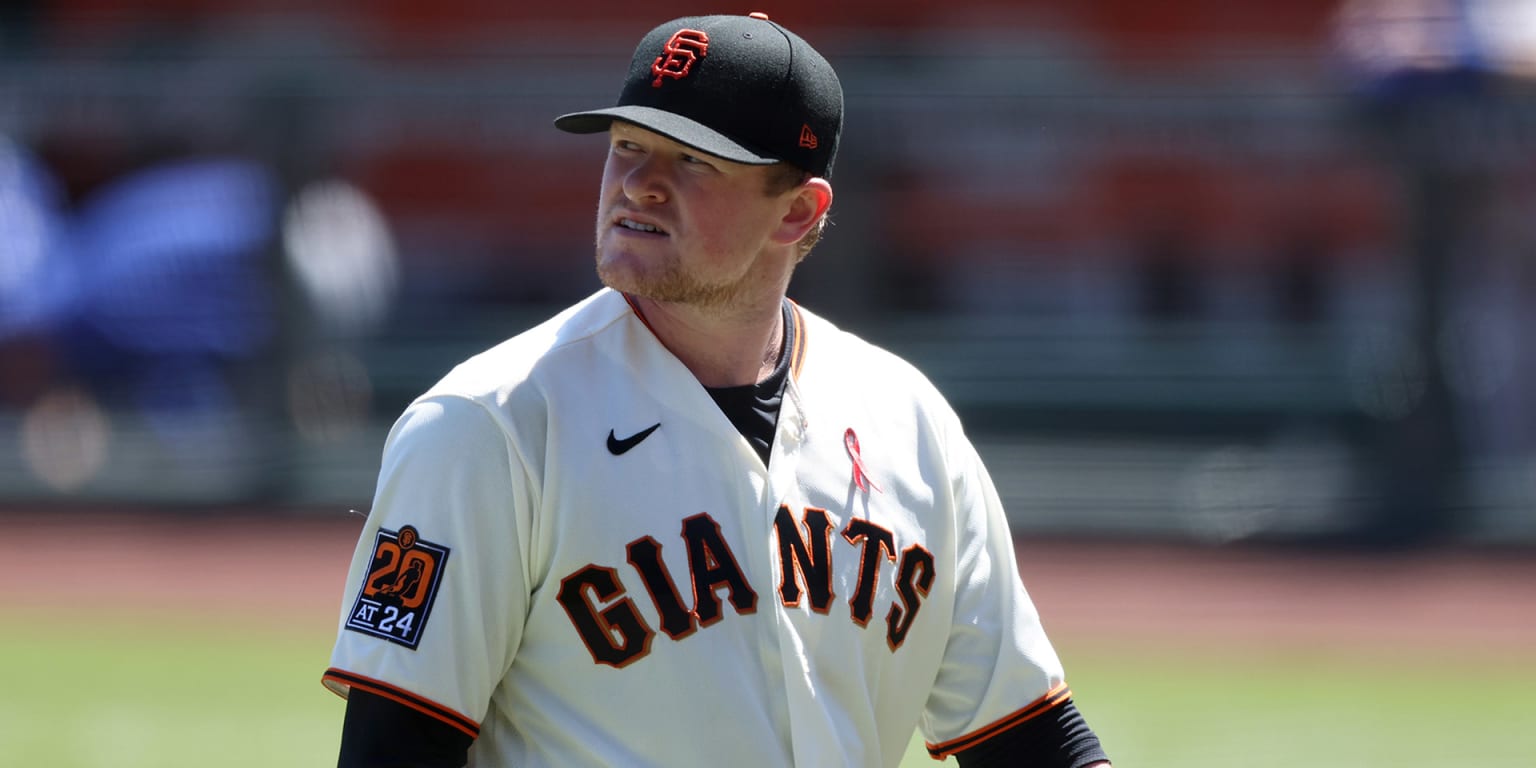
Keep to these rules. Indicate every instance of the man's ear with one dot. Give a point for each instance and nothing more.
(810, 202)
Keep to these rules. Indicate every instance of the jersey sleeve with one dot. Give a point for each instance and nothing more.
(436, 594)
(998, 669)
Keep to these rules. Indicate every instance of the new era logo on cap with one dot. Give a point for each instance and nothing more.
(742, 88)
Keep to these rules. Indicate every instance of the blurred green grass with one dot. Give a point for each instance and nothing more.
(1322, 707)
(129, 693)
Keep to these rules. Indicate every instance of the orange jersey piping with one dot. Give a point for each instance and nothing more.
(337, 680)
(797, 358)
(635, 307)
(1053, 698)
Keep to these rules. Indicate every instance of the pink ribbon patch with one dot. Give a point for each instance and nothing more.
(860, 476)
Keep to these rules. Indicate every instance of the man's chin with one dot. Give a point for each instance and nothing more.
(664, 288)
(622, 280)
(674, 293)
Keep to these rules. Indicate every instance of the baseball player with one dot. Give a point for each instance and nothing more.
(687, 522)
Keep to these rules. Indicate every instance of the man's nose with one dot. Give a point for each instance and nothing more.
(646, 181)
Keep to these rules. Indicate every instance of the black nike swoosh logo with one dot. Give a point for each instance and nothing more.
(619, 447)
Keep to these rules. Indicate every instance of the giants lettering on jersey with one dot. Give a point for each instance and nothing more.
(613, 629)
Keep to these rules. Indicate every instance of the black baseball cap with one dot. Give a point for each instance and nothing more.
(742, 88)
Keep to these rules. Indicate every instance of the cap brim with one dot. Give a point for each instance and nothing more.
(673, 126)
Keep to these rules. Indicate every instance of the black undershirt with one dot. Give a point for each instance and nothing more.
(1056, 738)
(754, 408)
(383, 733)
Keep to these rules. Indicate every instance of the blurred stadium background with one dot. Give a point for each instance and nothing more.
(1216, 277)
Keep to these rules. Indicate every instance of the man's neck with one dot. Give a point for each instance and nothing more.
(722, 349)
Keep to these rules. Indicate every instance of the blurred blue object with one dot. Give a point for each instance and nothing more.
(171, 258)
(36, 284)
(1393, 49)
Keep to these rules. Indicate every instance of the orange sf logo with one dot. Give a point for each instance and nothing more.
(682, 49)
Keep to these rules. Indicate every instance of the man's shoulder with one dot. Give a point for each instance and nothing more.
(514, 361)
(846, 374)
(833, 347)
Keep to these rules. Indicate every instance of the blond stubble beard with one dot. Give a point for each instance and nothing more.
(673, 285)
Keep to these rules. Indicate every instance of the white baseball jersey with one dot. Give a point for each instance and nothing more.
(575, 557)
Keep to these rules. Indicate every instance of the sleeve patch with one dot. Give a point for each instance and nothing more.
(397, 595)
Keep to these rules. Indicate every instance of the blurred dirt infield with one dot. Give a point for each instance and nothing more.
(285, 570)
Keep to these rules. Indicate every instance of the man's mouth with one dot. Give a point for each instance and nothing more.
(640, 226)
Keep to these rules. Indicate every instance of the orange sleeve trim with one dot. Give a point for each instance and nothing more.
(339, 681)
(1053, 698)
